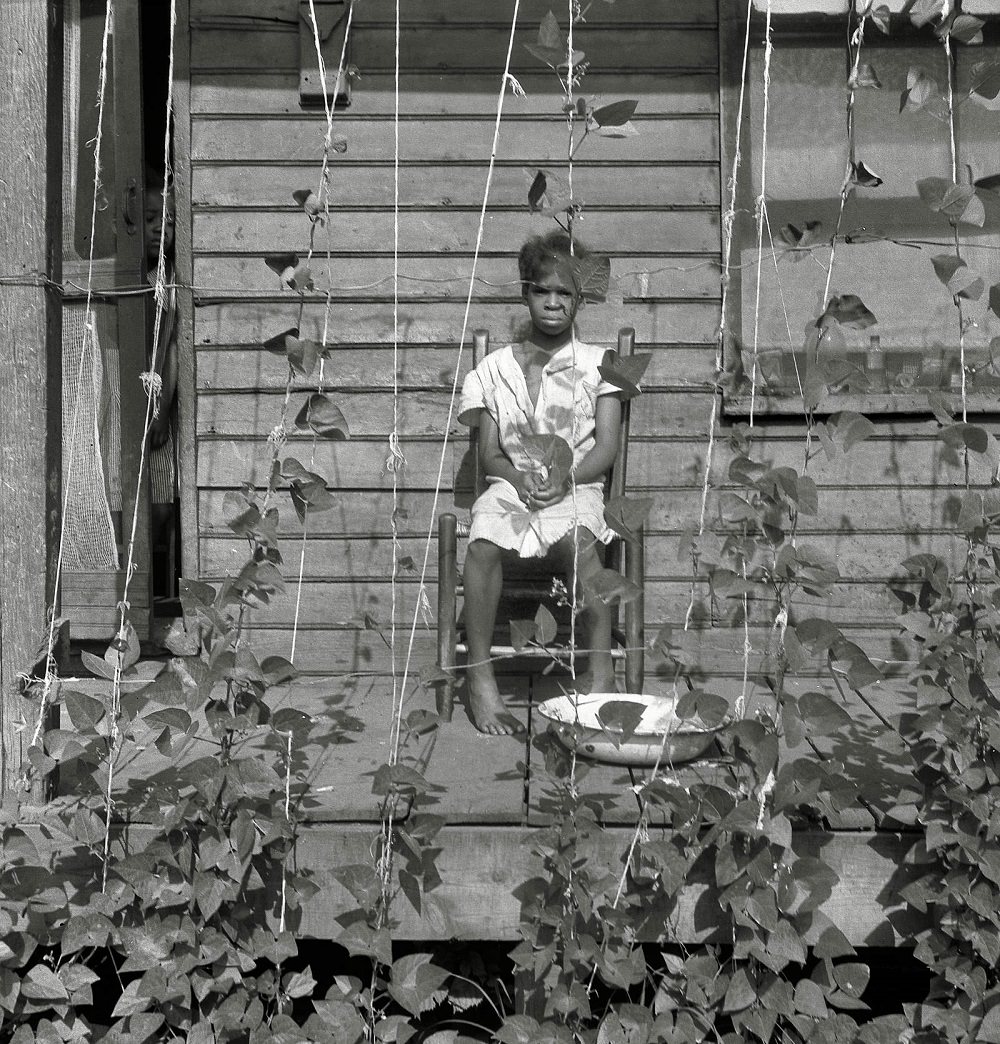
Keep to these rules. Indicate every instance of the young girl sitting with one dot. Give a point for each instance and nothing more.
(547, 385)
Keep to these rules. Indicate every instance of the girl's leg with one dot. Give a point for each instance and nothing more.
(595, 617)
(483, 579)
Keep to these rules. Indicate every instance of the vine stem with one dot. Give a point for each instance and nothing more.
(953, 144)
(288, 820)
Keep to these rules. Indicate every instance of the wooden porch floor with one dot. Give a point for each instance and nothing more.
(489, 792)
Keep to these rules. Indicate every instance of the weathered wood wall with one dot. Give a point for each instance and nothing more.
(652, 202)
(30, 359)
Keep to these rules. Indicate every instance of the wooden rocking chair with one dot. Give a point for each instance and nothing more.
(624, 556)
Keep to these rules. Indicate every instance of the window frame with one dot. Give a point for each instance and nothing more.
(820, 20)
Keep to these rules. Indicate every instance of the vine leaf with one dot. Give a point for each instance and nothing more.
(522, 633)
(991, 183)
(323, 417)
(416, 983)
(880, 18)
(619, 719)
(302, 355)
(920, 88)
(518, 1029)
(798, 240)
(552, 453)
(961, 435)
(956, 275)
(553, 44)
(536, 193)
(307, 488)
(592, 274)
(924, 11)
(617, 114)
(311, 204)
(278, 344)
(281, 264)
(964, 28)
(625, 372)
(985, 80)
(548, 193)
(846, 310)
(852, 978)
(625, 515)
(866, 76)
(609, 586)
(863, 176)
(958, 202)
(545, 626)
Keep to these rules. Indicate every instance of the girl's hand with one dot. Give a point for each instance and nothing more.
(526, 485)
(549, 492)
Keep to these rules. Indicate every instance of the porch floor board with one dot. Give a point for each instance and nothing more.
(489, 799)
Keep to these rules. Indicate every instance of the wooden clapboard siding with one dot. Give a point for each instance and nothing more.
(875, 558)
(634, 277)
(431, 92)
(446, 12)
(914, 512)
(455, 185)
(664, 139)
(361, 650)
(880, 463)
(456, 47)
(651, 201)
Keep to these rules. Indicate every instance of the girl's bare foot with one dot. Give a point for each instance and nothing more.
(489, 713)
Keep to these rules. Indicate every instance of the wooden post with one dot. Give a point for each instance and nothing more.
(30, 350)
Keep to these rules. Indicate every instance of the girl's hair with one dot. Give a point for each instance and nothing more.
(541, 252)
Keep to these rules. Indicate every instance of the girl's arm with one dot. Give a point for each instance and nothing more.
(160, 427)
(495, 462)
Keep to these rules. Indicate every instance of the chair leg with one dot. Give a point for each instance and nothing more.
(635, 614)
(446, 610)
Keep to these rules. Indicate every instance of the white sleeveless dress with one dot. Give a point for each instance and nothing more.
(570, 388)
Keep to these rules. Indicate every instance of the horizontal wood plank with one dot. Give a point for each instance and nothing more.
(482, 867)
(715, 652)
(456, 46)
(872, 561)
(854, 513)
(539, 140)
(654, 413)
(443, 276)
(886, 462)
(449, 232)
(364, 322)
(320, 604)
(435, 93)
(447, 12)
(459, 185)
(371, 367)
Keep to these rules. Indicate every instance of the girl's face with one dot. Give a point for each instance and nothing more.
(153, 217)
(552, 300)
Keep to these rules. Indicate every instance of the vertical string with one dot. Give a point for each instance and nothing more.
(728, 219)
(323, 193)
(761, 209)
(506, 80)
(151, 394)
(394, 448)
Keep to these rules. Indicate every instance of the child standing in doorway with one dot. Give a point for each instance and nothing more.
(159, 228)
(548, 385)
